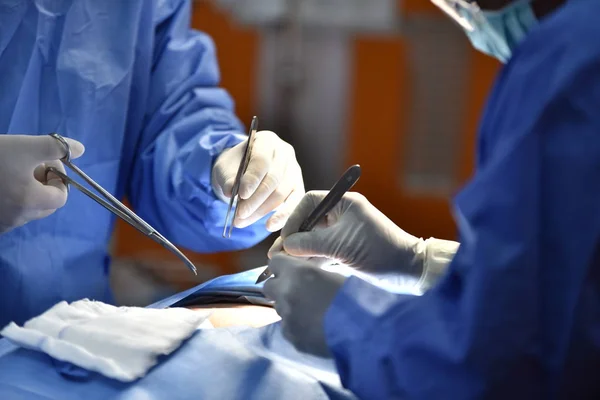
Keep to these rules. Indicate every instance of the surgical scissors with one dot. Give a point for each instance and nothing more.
(113, 205)
(238, 178)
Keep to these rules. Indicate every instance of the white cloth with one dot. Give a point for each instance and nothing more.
(122, 343)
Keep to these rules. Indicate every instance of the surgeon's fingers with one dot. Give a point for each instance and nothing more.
(271, 289)
(47, 191)
(26, 216)
(46, 148)
(278, 199)
(49, 178)
(282, 213)
(260, 163)
(56, 181)
(274, 181)
(276, 247)
(301, 212)
(40, 214)
(282, 265)
(39, 173)
(275, 199)
(282, 269)
(225, 169)
(316, 243)
(42, 175)
(275, 292)
(77, 148)
(52, 195)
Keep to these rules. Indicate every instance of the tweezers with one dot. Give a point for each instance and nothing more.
(113, 205)
(233, 202)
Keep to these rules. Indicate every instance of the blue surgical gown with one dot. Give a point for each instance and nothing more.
(517, 315)
(139, 89)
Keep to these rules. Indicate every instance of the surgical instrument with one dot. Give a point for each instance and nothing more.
(233, 202)
(113, 205)
(343, 185)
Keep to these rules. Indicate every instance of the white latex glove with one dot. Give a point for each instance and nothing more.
(273, 180)
(357, 234)
(26, 193)
(302, 293)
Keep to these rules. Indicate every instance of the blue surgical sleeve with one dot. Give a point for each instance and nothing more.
(188, 122)
(517, 314)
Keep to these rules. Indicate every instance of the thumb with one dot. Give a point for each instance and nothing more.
(55, 191)
(276, 247)
(310, 244)
(50, 196)
(282, 264)
(56, 182)
(305, 207)
(47, 148)
(224, 172)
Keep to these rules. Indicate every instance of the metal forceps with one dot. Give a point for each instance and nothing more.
(113, 205)
(238, 179)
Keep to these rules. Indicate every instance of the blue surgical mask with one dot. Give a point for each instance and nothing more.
(499, 32)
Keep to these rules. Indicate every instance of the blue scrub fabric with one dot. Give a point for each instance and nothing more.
(139, 88)
(232, 363)
(517, 315)
(228, 363)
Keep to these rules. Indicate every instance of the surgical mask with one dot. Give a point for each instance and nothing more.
(496, 33)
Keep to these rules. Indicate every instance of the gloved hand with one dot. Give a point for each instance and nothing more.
(357, 234)
(26, 193)
(273, 180)
(302, 293)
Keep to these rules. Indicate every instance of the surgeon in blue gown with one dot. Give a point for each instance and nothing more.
(513, 312)
(131, 82)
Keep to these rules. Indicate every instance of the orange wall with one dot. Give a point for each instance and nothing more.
(376, 128)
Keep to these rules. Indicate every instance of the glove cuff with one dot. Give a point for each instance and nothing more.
(438, 255)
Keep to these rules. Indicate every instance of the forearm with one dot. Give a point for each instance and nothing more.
(387, 345)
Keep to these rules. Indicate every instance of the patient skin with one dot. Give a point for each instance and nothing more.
(224, 315)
